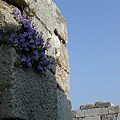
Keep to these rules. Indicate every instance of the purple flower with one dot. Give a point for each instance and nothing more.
(27, 9)
(53, 62)
(24, 45)
(36, 52)
(34, 46)
(44, 61)
(43, 53)
(24, 15)
(40, 68)
(23, 59)
(26, 23)
(31, 41)
(12, 37)
(29, 64)
(16, 41)
(26, 59)
(16, 11)
(47, 46)
(4, 31)
(22, 40)
(26, 48)
(36, 56)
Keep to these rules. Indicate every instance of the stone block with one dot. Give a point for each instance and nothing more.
(90, 112)
(87, 106)
(73, 114)
(112, 116)
(25, 94)
(80, 113)
(96, 111)
(101, 111)
(118, 117)
(103, 104)
(113, 109)
(92, 118)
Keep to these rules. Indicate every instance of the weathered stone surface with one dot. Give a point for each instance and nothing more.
(63, 79)
(92, 118)
(95, 112)
(87, 106)
(28, 94)
(113, 109)
(80, 113)
(64, 106)
(6, 65)
(49, 14)
(118, 117)
(6, 17)
(103, 104)
(112, 116)
(73, 114)
(101, 111)
(90, 112)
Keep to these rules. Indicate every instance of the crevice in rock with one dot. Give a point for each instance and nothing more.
(59, 36)
(19, 6)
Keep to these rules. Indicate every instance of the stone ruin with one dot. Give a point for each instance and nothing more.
(97, 111)
(24, 94)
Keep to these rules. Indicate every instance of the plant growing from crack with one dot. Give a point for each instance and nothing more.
(29, 42)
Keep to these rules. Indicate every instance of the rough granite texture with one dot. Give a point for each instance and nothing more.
(24, 94)
(97, 111)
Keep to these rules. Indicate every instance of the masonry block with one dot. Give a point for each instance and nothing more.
(80, 113)
(87, 106)
(103, 104)
(92, 118)
(113, 109)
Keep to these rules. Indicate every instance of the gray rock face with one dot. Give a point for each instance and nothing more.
(25, 94)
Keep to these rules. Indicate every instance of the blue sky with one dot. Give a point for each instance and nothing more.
(94, 49)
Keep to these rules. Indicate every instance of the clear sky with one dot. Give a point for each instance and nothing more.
(94, 49)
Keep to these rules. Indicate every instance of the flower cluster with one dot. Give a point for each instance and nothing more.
(30, 43)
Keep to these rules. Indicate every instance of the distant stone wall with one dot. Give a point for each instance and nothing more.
(97, 111)
(24, 94)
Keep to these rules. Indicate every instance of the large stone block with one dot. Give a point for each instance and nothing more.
(103, 104)
(24, 93)
(96, 111)
(87, 106)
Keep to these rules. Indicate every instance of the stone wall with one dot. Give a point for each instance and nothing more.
(24, 94)
(97, 111)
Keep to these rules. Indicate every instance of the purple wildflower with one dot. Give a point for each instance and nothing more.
(40, 68)
(29, 64)
(4, 31)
